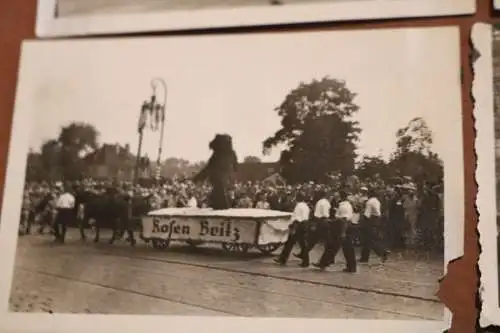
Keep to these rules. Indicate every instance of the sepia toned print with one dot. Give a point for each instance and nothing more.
(235, 176)
(81, 17)
(78, 7)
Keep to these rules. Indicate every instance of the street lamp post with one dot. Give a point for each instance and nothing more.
(142, 124)
(155, 112)
(161, 109)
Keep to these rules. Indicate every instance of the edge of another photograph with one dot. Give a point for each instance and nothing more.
(49, 25)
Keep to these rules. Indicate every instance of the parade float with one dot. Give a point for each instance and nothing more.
(236, 229)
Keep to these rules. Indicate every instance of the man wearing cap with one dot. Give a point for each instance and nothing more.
(65, 205)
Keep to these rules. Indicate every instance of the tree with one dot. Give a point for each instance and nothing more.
(317, 130)
(65, 156)
(34, 166)
(252, 160)
(50, 156)
(117, 159)
(76, 140)
(421, 168)
(415, 137)
(414, 156)
(370, 166)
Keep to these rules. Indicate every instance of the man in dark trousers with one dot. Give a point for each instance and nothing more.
(341, 234)
(65, 205)
(298, 228)
(371, 238)
(318, 229)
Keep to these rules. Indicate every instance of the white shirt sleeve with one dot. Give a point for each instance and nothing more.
(71, 201)
(301, 212)
(344, 211)
(66, 201)
(322, 209)
(368, 209)
(372, 208)
(192, 203)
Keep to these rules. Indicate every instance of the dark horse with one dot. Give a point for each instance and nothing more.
(219, 171)
(113, 210)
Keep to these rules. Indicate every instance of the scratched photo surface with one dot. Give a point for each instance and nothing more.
(170, 176)
(56, 18)
(68, 8)
(71, 8)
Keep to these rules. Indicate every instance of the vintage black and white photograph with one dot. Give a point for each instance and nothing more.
(89, 17)
(281, 176)
(487, 93)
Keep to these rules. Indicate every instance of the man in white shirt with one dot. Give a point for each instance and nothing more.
(322, 207)
(65, 205)
(297, 232)
(371, 239)
(319, 227)
(341, 236)
(192, 202)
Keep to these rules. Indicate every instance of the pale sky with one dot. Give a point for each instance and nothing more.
(231, 84)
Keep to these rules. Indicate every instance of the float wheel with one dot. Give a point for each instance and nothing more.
(193, 243)
(235, 247)
(160, 244)
(268, 248)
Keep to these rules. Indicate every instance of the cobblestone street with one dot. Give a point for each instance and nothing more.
(100, 278)
(85, 7)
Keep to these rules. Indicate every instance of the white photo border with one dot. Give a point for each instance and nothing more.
(482, 37)
(48, 25)
(63, 323)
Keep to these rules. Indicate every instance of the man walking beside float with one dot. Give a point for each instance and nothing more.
(298, 230)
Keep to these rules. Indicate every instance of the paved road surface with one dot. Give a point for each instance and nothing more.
(85, 7)
(118, 279)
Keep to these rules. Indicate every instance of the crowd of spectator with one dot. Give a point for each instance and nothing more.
(412, 214)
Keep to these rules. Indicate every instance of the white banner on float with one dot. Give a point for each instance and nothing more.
(202, 229)
(274, 231)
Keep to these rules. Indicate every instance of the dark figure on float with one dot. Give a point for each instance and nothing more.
(219, 171)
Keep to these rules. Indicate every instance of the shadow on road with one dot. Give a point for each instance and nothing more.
(208, 251)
